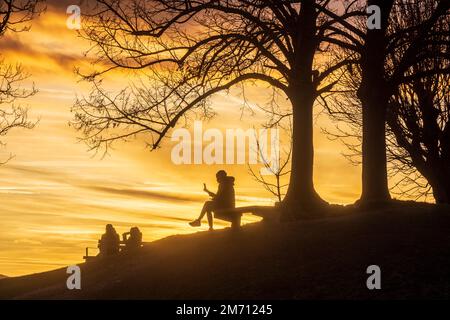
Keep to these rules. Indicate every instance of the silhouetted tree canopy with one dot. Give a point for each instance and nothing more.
(306, 50)
(15, 16)
(191, 50)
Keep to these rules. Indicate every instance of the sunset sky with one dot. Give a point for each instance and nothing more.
(57, 196)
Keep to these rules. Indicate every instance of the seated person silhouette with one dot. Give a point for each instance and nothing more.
(132, 239)
(109, 243)
(223, 199)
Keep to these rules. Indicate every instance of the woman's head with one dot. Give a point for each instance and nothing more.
(110, 228)
(221, 175)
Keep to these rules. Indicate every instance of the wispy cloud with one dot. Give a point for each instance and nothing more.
(147, 194)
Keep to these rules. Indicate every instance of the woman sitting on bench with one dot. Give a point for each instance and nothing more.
(132, 240)
(223, 199)
(109, 244)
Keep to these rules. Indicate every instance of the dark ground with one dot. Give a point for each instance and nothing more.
(321, 259)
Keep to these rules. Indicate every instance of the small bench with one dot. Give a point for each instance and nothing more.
(87, 257)
(234, 215)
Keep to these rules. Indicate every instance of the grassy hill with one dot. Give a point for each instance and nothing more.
(318, 259)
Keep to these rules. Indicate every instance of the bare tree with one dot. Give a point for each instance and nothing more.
(407, 45)
(192, 50)
(15, 16)
(276, 169)
(387, 58)
(419, 127)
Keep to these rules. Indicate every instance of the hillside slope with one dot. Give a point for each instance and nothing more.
(319, 259)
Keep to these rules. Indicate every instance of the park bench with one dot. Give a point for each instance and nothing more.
(87, 257)
(234, 215)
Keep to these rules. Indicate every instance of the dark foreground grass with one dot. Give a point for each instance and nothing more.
(317, 259)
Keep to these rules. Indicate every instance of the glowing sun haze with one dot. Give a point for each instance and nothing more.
(57, 197)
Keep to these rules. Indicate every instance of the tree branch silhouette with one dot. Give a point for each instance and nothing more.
(191, 50)
(15, 16)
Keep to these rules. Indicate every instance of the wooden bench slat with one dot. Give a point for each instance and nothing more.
(261, 211)
(267, 213)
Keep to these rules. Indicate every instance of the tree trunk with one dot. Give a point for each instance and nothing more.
(441, 194)
(374, 96)
(440, 183)
(374, 169)
(301, 200)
